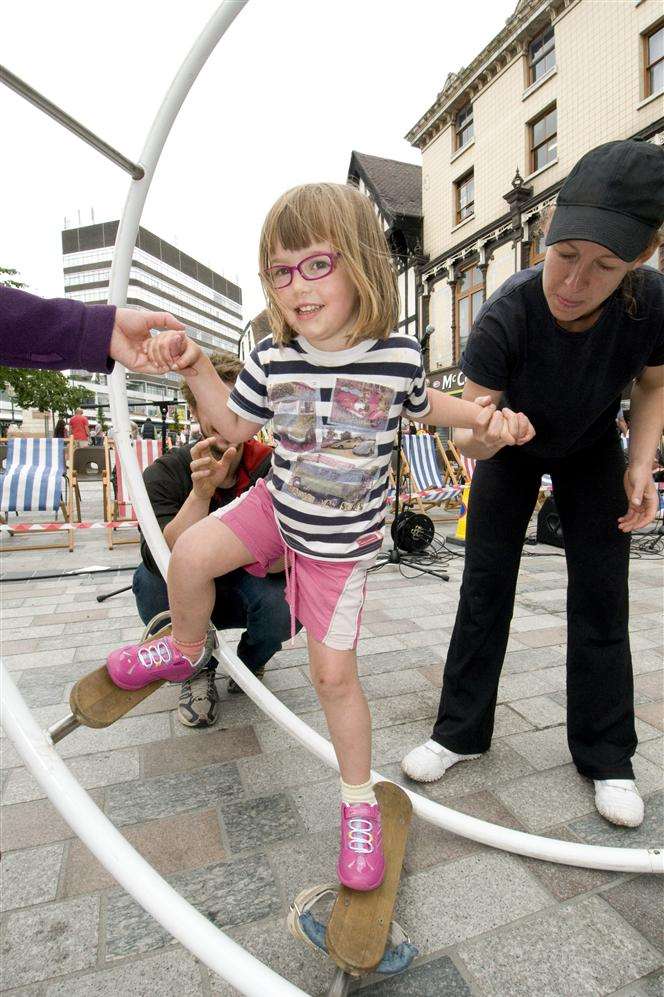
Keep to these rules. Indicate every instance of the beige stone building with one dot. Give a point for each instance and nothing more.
(560, 78)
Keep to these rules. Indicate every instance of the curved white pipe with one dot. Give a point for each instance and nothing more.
(219, 952)
(124, 248)
(589, 856)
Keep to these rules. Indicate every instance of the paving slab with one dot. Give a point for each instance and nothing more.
(25, 825)
(167, 795)
(584, 949)
(226, 893)
(549, 797)
(449, 903)
(49, 940)
(252, 824)
(185, 754)
(30, 876)
(429, 846)
(294, 766)
(540, 711)
(543, 749)
(567, 881)
(641, 902)
(170, 844)
(272, 943)
(172, 973)
(439, 976)
(101, 769)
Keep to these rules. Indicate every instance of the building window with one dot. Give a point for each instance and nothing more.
(465, 197)
(537, 247)
(654, 61)
(469, 298)
(541, 55)
(543, 140)
(463, 127)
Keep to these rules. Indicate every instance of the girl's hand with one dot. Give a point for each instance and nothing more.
(519, 426)
(496, 429)
(642, 497)
(172, 351)
(207, 473)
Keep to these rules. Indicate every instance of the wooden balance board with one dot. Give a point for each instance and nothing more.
(358, 929)
(97, 702)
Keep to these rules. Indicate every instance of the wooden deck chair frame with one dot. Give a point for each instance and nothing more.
(112, 515)
(419, 499)
(80, 456)
(467, 466)
(66, 505)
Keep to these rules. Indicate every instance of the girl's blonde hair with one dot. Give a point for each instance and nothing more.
(345, 218)
(629, 285)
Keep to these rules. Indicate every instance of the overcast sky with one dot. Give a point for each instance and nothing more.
(291, 90)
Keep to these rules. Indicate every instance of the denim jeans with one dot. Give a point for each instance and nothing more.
(589, 494)
(242, 600)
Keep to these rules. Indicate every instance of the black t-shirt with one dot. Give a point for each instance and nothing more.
(168, 484)
(569, 384)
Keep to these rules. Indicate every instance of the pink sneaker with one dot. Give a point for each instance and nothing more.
(361, 864)
(136, 665)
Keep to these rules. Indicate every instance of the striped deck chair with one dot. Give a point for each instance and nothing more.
(468, 465)
(37, 478)
(119, 512)
(429, 486)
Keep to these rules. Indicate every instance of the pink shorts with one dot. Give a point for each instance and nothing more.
(327, 597)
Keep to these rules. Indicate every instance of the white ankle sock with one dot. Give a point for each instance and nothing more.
(358, 794)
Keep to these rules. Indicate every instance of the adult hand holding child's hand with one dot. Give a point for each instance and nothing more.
(171, 351)
(499, 428)
(208, 473)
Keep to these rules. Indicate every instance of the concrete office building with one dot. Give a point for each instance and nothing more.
(162, 277)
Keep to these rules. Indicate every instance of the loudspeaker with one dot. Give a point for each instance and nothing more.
(412, 531)
(549, 530)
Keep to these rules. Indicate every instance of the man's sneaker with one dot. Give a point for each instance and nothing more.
(137, 665)
(619, 801)
(234, 688)
(361, 864)
(431, 761)
(199, 700)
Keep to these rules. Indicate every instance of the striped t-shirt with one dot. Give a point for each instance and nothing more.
(335, 418)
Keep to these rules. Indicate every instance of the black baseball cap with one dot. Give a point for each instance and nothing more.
(614, 196)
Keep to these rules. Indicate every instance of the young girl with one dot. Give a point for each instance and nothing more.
(335, 378)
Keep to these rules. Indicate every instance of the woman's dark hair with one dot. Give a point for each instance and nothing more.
(59, 431)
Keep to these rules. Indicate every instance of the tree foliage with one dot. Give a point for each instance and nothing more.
(46, 390)
(6, 278)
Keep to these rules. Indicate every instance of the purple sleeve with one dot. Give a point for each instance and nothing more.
(54, 334)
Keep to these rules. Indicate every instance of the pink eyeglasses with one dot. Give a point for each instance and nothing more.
(310, 268)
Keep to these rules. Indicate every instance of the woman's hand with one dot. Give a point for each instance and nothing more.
(131, 335)
(207, 473)
(171, 351)
(642, 497)
(499, 428)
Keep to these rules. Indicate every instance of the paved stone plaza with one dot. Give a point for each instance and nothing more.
(239, 818)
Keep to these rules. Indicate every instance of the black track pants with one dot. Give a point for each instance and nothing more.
(589, 494)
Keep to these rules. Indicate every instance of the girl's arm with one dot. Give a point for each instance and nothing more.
(175, 351)
(489, 430)
(212, 396)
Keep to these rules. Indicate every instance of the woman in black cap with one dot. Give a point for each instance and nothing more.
(557, 344)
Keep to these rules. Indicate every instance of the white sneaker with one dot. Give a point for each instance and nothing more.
(430, 761)
(619, 801)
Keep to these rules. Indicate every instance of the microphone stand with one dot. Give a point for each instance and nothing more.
(395, 555)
